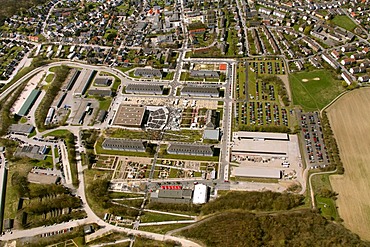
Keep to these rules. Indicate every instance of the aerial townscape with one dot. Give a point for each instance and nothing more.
(163, 123)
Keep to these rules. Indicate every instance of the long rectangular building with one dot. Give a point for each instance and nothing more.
(27, 105)
(124, 145)
(200, 91)
(256, 172)
(83, 82)
(144, 89)
(190, 149)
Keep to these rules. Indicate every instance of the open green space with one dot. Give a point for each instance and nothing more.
(58, 133)
(144, 242)
(132, 134)
(188, 157)
(162, 229)
(49, 78)
(315, 89)
(344, 21)
(104, 104)
(324, 196)
(157, 217)
(183, 135)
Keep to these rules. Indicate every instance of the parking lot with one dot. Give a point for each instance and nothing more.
(263, 113)
(271, 67)
(315, 150)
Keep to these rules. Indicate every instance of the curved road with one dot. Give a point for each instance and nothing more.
(91, 216)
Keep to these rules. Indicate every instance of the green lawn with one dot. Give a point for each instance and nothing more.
(57, 133)
(327, 206)
(104, 104)
(188, 157)
(156, 217)
(162, 229)
(344, 22)
(314, 94)
(49, 78)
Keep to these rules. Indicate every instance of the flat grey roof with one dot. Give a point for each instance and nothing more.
(144, 87)
(211, 134)
(203, 90)
(129, 115)
(21, 128)
(180, 194)
(190, 148)
(118, 143)
(256, 172)
(261, 135)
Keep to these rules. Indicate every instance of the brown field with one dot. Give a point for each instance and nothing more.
(350, 120)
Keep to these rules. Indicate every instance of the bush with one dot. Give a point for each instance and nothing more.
(260, 201)
(42, 110)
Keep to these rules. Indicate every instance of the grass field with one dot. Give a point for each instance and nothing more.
(344, 22)
(350, 120)
(327, 206)
(314, 90)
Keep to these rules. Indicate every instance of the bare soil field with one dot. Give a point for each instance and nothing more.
(350, 121)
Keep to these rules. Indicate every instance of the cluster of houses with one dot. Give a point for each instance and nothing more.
(353, 60)
(11, 54)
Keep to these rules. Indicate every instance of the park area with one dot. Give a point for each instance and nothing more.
(315, 89)
(350, 121)
(345, 22)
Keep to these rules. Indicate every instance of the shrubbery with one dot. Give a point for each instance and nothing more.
(299, 228)
(260, 201)
(331, 144)
(42, 110)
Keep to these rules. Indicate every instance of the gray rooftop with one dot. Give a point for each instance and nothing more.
(191, 149)
(200, 90)
(21, 128)
(123, 144)
(145, 88)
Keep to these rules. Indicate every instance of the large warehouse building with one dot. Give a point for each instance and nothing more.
(200, 91)
(261, 144)
(253, 172)
(129, 116)
(83, 82)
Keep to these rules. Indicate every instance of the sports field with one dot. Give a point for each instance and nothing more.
(344, 22)
(350, 121)
(315, 89)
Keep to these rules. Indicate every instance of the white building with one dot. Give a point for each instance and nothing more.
(200, 195)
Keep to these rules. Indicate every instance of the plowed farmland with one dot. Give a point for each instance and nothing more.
(350, 121)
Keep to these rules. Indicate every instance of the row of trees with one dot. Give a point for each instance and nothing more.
(283, 93)
(253, 200)
(331, 145)
(98, 192)
(61, 74)
(48, 205)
